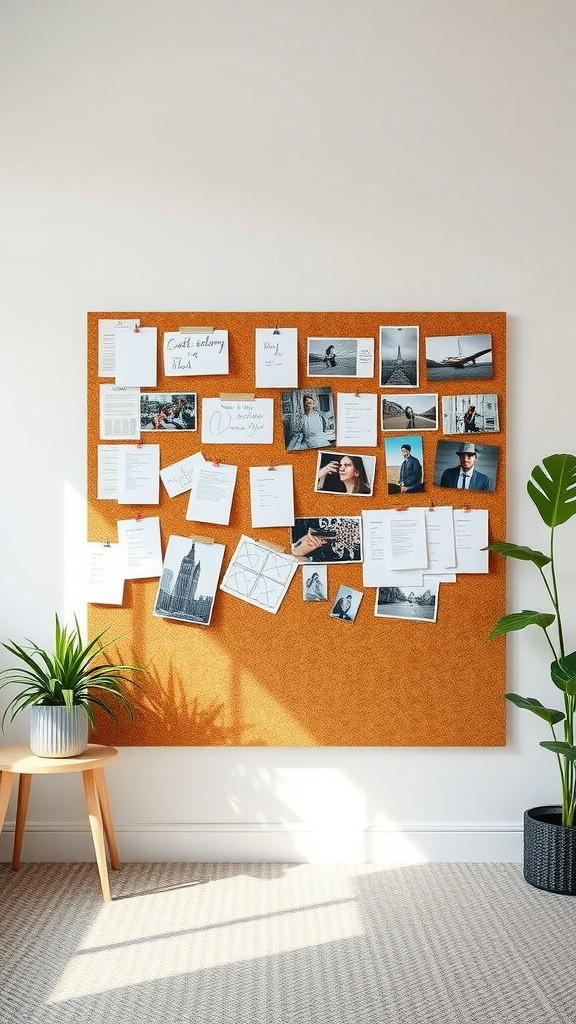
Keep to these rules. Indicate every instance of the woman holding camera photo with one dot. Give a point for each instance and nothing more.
(344, 475)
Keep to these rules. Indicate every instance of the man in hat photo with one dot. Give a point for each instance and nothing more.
(466, 476)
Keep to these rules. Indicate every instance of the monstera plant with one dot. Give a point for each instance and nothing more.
(552, 488)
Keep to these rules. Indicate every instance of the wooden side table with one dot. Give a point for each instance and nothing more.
(22, 762)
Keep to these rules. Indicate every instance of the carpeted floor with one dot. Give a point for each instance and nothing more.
(275, 943)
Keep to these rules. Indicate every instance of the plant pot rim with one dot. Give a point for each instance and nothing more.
(544, 812)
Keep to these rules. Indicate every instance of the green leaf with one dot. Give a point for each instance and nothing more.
(519, 620)
(563, 674)
(567, 750)
(509, 550)
(75, 673)
(553, 488)
(549, 715)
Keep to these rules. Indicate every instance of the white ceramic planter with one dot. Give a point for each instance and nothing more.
(58, 731)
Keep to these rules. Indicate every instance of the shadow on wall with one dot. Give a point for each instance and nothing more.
(164, 705)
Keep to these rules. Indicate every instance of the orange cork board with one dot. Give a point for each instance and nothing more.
(300, 677)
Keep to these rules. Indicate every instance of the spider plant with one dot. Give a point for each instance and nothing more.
(75, 673)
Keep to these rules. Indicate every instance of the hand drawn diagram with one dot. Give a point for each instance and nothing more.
(258, 575)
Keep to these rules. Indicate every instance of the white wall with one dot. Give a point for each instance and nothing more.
(305, 154)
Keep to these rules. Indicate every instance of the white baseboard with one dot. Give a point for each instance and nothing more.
(411, 843)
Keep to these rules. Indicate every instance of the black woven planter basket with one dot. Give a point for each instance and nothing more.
(549, 851)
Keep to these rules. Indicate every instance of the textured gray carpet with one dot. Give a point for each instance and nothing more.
(267, 943)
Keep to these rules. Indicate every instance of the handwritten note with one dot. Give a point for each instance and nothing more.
(237, 422)
(276, 356)
(194, 355)
(180, 476)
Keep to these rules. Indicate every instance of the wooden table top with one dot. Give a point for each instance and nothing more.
(21, 761)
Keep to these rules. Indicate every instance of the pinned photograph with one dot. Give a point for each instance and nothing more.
(466, 466)
(409, 412)
(340, 357)
(308, 418)
(340, 473)
(167, 411)
(470, 414)
(419, 603)
(399, 348)
(346, 604)
(404, 464)
(459, 357)
(327, 539)
(189, 580)
(314, 583)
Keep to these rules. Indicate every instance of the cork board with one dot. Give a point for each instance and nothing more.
(301, 678)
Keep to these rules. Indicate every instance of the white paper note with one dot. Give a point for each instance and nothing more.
(104, 573)
(108, 471)
(374, 565)
(258, 575)
(119, 413)
(378, 554)
(272, 496)
(211, 499)
(276, 357)
(471, 534)
(195, 355)
(179, 477)
(405, 539)
(107, 344)
(139, 474)
(356, 420)
(136, 357)
(237, 422)
(440, 539)
(140, 543)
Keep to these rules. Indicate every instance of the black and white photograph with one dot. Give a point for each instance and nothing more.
(347, 603)
(399, 347)
(419, 603)
(409, 412)
(340, 357)
(466, 465)
(341, 473)
(189, 580)
(404, 464)
(459, 357)
(167, 411)
(470, 414)
(327, 539)
(308, 418)
(314, 583)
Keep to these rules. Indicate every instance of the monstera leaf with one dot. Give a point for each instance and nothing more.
(553, 489)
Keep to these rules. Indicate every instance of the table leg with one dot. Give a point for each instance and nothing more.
(22, 809)
(6, 783)
(96, 825)
(107, 817)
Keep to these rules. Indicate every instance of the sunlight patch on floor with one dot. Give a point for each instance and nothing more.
(149, 937)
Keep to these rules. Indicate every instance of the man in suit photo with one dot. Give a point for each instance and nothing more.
(466, 476)
(410, 476)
